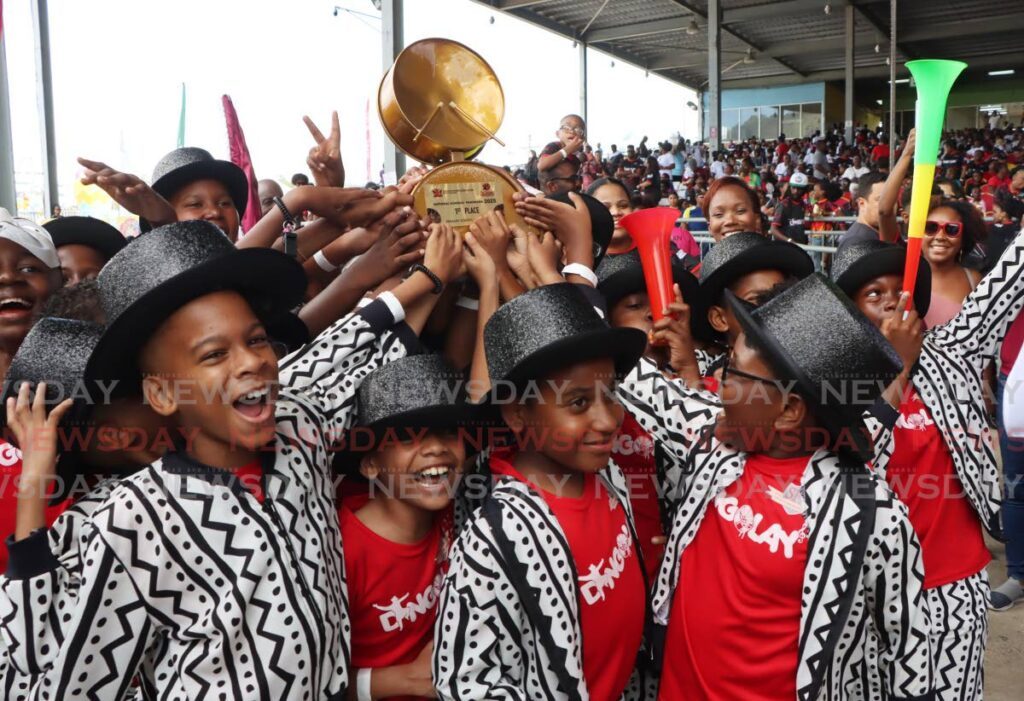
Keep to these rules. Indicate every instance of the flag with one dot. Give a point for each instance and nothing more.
(240, 157)
(181, 119)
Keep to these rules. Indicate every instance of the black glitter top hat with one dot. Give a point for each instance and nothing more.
(622, 275)
(602, 226)
(418, 391)
(858, 263)
(56, 351)
(552, 327)
(186, 165)
(744, 253)
(814, 335)
(86, 231)
(164, 270)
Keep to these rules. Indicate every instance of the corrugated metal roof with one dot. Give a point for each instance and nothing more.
(787, 37)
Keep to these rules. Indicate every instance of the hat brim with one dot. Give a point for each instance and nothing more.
(86, 231)
(780, 255)
(834, 418)
(224, 172)
(272, 283)
(446, 416)
(887, 261)
(631, 281)
(624, 346)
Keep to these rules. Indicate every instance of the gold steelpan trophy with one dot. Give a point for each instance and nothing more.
(440, 103)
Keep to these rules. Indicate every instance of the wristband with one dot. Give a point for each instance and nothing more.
(468, 303)
(363, 684)
(581, 270)
(325, 265)
(394, 306)
(438, 284)
(565, 154)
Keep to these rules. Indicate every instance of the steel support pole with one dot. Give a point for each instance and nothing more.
(44, 93)
(8, 192)
(393, 38)
(582, 46)
(715, 74)
(892, 82)
(849, 45)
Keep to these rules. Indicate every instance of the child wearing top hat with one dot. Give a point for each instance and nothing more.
(790, 570)
(647, 469)
(748, 265)
(942, 436)
(545, 594)
(218, 567)
(408, 443)
(72, 418)
(84, 245)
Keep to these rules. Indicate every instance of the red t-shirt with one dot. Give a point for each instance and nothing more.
(1011, 346)
(922, 475)
(634, 454)
(392, 592)
(880, 151)
(735, 623)
(251, 477)
(612, 597)
(10, 472)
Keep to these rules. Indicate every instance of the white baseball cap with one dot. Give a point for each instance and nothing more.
(30, 236)
(798, 179)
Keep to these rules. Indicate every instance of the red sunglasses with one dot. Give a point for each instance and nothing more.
(952, 228)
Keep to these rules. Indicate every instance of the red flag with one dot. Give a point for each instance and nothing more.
(240, 157)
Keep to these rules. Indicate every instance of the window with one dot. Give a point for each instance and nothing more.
(748, 123)
(770, 122)
(810, 118)
(791, 121)
(730, 125)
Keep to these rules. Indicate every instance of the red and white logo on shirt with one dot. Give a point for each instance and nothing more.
(601, 577)
(915, 421)
(754, 526)
(397, 612)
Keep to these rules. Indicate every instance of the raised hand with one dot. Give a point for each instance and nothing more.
(492, 234)
(570, 224)
(517, 258)
(35, 431)
(350, 206)
(673, 333)
(443, 256)
(478, 261)
(905, 332)
(545, 253)
(129, 191)
(324, 159)
(574, 143)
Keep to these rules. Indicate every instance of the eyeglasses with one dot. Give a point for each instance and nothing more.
(578, 131)
(952, 228)
(727, 370)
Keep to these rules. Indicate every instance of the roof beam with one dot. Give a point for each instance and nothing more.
(982, 26)
(776, 9)
(638, 29)
(727, 32)
(875, 71)
(885, 31)
(679, 59)
(811, 46)
(516, 4)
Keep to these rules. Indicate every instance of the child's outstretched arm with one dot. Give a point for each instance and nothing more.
(37, 435)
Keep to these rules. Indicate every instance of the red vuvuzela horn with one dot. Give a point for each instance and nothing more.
(651, 231)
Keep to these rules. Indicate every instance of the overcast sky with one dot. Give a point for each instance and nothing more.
(118, 66)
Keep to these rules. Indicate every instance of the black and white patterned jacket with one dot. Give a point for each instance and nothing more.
(886, 626)
(949, 378)
(28, 646)
(190, 581)
(485, 646)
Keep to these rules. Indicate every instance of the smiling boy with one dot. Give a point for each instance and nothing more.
(216, 570)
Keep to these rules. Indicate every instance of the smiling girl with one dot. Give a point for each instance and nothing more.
(952, 231)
